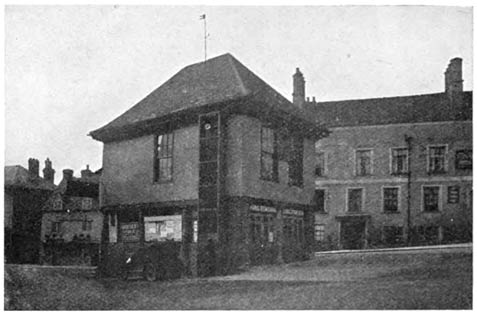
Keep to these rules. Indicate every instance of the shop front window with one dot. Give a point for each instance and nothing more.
(162, 228)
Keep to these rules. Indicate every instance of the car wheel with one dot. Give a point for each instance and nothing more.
(149, 272)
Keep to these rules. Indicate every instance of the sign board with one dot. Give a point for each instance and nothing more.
(263, 209)
(293, 212)
(463, 159)
(129, 231)
(453, 193)
(195, 228)
(161, 228)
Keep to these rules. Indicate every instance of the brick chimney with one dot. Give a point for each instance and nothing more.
(453, 78)
(298, 88)
(48, 171)
(86, 173)
(33, 168)
(67, 174)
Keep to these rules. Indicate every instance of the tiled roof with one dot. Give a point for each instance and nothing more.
(215, 81)
(392, 110)
(18, 176)
(80, 187)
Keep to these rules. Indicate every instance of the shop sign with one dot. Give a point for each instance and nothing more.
(262, 209)
(161, 228)
(129, 231)
(293, 212)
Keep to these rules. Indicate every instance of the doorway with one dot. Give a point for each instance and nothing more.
(353, 234)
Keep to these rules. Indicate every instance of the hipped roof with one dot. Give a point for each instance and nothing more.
(216, 81)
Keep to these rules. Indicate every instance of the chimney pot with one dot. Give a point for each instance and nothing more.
(33, 168)
(453, 77)
(48, 171)
(86, 173)
(67, 174)
(298, 88)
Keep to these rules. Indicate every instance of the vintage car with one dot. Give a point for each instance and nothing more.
(159, 261)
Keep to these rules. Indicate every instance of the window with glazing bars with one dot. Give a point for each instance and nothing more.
(163, 162)
(363, 162)
(399, 160)
(268, 160)
(437, 159)
(319, 232)
(390, 199)
(431, 198)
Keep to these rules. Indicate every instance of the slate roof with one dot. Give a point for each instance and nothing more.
(18, 176)
(392, 110)
(215, 81)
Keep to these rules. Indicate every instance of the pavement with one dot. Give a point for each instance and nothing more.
(338, 266)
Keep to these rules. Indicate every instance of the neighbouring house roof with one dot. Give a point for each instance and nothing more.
(80, 187)
(215, 81)
(18, 176)
(392, 110)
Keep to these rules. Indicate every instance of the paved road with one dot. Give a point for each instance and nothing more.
(351, 265)
(428, 279)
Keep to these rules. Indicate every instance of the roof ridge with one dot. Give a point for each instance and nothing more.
(233, 62)
(376, 98)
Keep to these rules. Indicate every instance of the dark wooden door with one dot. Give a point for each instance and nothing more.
(353, 234)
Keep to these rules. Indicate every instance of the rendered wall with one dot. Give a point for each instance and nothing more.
(243, 166)
(128, 169)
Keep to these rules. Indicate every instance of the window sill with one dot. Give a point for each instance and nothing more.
(399, 174)
(431, 211)
(430, 173)
(162, 182)
(269, 180)
(391, 212)
(300, 186)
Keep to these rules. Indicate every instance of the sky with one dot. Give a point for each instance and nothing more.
(72, 69)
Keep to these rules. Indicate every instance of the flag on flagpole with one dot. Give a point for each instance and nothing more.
(202, 17)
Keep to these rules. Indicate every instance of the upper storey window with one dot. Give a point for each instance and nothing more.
(320, 164)
(399, 160)
(463, 159)
(437, 159)
(268, 158)
(363, 162)
(163, 160)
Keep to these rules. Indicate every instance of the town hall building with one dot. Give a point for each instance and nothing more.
(214, 155)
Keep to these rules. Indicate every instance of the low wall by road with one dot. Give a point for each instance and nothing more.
(464, 247)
